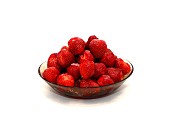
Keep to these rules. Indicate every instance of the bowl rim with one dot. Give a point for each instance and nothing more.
(127, 76)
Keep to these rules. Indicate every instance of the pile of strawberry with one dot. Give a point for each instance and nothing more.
(85, 64)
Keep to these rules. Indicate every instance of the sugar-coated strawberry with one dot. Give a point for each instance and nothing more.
(74, 70)
(98, 48)
(88, 83)
(89, 40)
(105, 80)
(115, 73)
(100, 69)
(108, 58)
(65, 80)
(86, 56)
(76, 45)
(52, 61)
(65, 58)
(87, 69)
(119, 63)
(50, 74)
(65, 48)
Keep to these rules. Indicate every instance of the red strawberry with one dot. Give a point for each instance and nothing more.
(88, 83)
(87, 69)
(86, 56)
(94, 87)
(109, 50)
(89, 40)
(65, 80)
(74, 70)
(65, 48)
(119, 63)
(76, 45)
(108, 58)
(115, 73)
(65, 58)
(98, 48)
(100, 69)
(105, 80)
(50, 74)
(52, 61)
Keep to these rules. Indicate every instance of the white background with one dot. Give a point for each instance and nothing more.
(30, 30)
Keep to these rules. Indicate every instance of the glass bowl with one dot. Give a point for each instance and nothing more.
(84, 93)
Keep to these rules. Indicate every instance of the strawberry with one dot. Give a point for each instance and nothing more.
(85, 64)
(89, 40)
(86, 56)
(52, 61)
(65, 48)
(74, 70)
(85, 84)
(109, 50)
(100, 69)
(108, 58)
(105, 80)
(119, 63)
(88, 83)
(65, 80)
(87, 69)
(50, 74)
(98, 48)
(65, 58)
(76, 45)
(115, 73)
